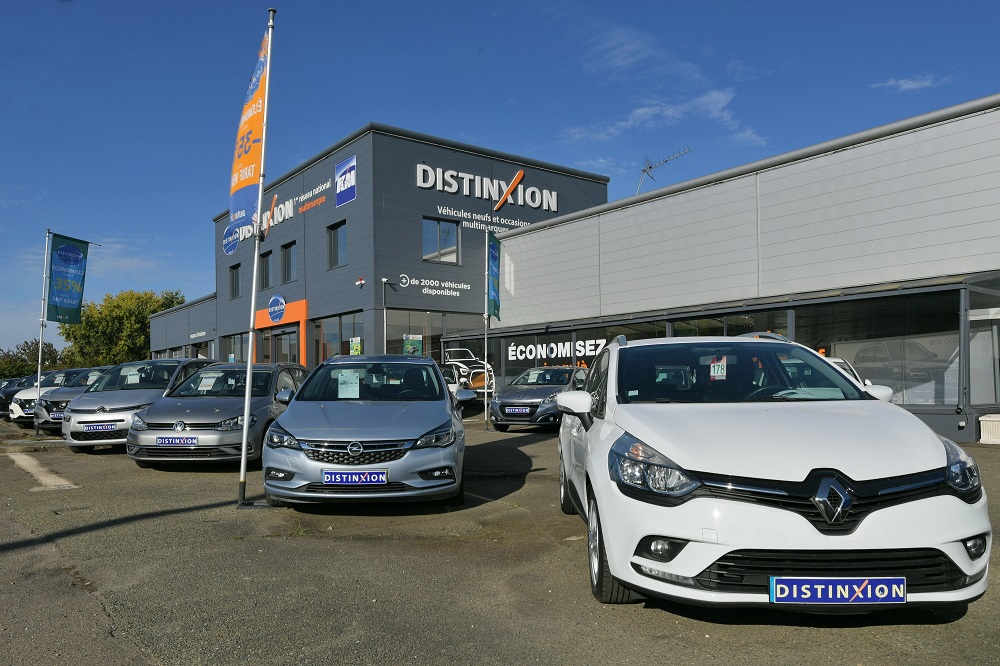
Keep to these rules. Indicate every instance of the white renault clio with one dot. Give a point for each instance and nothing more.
(745, 471)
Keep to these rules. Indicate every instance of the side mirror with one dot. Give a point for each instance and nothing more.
(465, 395)
(578, 404)
(880, 392)
(284, 396)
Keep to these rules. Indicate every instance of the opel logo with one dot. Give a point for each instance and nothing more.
(832, 500)
(179, 426)
(355, 448)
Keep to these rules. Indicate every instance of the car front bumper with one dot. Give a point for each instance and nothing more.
(92, 429)
(192, 445)
(408, 478)
(516, 413)
(734, 548)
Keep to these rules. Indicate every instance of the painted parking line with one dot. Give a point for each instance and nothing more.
(49, 480)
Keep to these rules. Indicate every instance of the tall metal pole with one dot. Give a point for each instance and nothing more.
(258, 231)
(385, 340)
(486, 330)
(41, 319)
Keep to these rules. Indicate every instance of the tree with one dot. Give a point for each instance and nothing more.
(115, 330)
(23, 359)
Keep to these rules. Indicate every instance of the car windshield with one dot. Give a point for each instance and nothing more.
(144, 375)
(223, 383)
(459, 355)
(373, 381)
(60, 378)
(87, 377)
(714, 372)
(544, 377)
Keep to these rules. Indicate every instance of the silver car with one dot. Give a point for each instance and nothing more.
(103, 413)
(201, 419)
(368, 428)
(49, 408)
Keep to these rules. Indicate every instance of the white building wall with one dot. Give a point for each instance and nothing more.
(920, 204)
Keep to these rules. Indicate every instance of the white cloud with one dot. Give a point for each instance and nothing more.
(619, 52)
(914, 83)
(713, 105)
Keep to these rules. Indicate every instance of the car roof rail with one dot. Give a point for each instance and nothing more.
(764, 334)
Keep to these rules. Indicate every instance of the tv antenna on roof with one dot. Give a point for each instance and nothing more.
(649, 166)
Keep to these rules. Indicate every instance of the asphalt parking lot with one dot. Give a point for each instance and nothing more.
(105, 563)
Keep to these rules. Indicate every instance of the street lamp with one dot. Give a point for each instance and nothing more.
(385, 341)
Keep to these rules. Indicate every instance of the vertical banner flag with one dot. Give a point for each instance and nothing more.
(244, 186)
(493, 271)
(67, 270)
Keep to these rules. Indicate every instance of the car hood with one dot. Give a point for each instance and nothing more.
(864, 439)
(64, 393)
(112, 400)
(199, 409)
(527, 393)
(362, 421)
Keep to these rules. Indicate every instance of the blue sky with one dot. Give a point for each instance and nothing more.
(119, 117)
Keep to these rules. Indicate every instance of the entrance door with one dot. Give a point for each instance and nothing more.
(280, 346)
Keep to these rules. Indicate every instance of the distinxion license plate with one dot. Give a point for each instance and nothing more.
(56, 416)
(371, 477)
(517, 410)
(176, 441)
(786, 590)
(99, 427)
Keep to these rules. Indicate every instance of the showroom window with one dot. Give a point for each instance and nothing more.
(909, 343)
(235, 347)
(265, 274)
(440, 241)
(336, 244)
(234, 281)
(289, 262)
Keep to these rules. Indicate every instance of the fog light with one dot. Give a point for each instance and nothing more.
(278, 474)
(439, 474)
(659, 548)
(975, 546)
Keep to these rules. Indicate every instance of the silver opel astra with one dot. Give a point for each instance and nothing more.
(365, 428)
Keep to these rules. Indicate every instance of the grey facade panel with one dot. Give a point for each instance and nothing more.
(184, 325)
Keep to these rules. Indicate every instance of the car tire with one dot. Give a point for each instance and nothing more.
(605, 587)
(500, 427)
(143, 464)
(565, 501)
(272, 500)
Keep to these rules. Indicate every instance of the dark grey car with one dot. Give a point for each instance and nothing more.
(201, 419)
(531, 398)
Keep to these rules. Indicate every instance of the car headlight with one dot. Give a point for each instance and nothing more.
(138, 423)
(962, 472)
(441, 437)
(278, 437)
(235, 423)
(551, 398)
(635, 464)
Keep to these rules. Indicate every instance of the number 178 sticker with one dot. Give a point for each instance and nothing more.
(717, 369)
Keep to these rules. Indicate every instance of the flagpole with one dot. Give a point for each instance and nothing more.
(41, 319)
(258, 231)
(486, 332)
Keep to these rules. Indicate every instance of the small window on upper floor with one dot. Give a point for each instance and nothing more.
(336, 244)
(234, 281)
(441, 241)
(289, 262)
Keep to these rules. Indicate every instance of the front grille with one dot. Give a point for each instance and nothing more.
(925, 569)
(330, 489)
(100, 436)
(797, 497)
(375, 453)
(167, 452)
(188, 426)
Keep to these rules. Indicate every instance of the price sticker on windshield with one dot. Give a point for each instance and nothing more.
(717, 369)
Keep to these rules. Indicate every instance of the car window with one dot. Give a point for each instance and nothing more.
(726, 372)
(373, 381)
(141, 375)
(223, 383)
(544, 377)
(597, 383)
(285, 381)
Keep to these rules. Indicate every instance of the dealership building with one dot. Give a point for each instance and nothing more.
(880, 248)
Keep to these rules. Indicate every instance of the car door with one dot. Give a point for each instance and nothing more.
(580, 437)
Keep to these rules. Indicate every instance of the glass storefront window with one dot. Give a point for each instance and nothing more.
(984, 348)
(235, 348)
(909, 343)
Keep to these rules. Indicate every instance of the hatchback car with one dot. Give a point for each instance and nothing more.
(14, 387)
(22, 405)
(707, 474)
(201, 419)
(367, 428)
(49, 408)
(103, 413)
(531, 398)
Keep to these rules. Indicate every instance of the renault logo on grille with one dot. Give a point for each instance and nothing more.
(832, 500)
(179, 426)
(355, 448)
